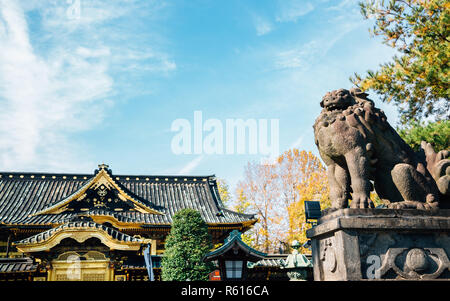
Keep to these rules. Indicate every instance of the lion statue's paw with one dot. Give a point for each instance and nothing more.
(361, 202)
(413, 205)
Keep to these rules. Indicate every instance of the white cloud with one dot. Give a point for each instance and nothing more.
(345, 5)
(303, 55)
(93, 53)
(144, 60)
(191, 165)
(82, 14)
(297, 57)
(292, 10)
(298, 142)
(262, 26)
(56, 77)
(43, 99)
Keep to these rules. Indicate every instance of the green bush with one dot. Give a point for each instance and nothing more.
(187, 243)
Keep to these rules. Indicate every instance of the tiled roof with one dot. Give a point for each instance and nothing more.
(24, 194)
(232, 241)
(16, 265)
(43, 236)
(271, 261)
(102, 190)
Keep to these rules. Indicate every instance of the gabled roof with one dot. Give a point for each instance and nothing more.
(80, 231)
(34, 199)
(234, 242)
(102, 179)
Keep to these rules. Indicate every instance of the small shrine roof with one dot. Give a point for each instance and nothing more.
(233, 242)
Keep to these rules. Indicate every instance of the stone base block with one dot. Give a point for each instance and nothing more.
(376, 244)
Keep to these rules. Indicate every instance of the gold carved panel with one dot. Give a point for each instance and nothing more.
(69, 267)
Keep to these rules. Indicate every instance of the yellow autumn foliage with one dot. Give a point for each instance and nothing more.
(277, 194)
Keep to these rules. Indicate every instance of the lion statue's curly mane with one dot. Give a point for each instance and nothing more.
(362, 152)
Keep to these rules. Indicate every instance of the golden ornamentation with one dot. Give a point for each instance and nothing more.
(80, 234)
(69, 267)
(101, 178)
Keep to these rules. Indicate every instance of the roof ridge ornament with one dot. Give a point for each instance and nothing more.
(104, 167)
(232, 235)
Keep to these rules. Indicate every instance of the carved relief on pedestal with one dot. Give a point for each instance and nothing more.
(328, 255)
(415, 263)
(396, 256)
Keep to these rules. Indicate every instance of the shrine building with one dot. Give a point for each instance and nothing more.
(96, 226)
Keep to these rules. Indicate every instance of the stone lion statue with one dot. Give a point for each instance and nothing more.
(363, 152)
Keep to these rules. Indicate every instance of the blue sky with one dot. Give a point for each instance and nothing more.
(84, 82)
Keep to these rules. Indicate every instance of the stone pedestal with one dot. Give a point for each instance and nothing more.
(374, 244)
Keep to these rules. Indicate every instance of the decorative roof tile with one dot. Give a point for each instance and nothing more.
(24, 195)
(46, 235)
(270, 261)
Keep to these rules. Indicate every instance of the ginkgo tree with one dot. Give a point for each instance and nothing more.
(258, 193)
(224, 191)
(301, 177)
(276, 193)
